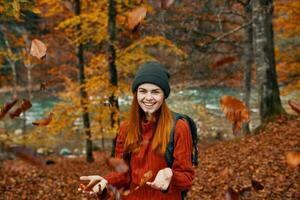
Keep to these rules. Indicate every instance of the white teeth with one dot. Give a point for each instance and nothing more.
(148, 104)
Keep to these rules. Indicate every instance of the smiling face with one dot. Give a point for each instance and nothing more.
(150, 97)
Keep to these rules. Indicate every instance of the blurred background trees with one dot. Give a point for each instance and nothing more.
(94, 48)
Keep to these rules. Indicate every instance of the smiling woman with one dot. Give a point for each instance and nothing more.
(150, 97)
(142, 141)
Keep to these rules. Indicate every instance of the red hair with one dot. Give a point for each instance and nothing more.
(163, 124)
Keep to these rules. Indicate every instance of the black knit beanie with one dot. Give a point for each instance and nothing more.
(152, 72)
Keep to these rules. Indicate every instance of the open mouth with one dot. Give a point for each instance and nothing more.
(148, 104)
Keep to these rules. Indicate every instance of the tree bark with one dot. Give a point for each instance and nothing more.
(83, 94)
(266, 77)
(112, 66)
(248, 61)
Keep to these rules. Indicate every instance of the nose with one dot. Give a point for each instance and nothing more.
(148, 96)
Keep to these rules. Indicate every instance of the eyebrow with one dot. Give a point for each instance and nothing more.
(158, 89)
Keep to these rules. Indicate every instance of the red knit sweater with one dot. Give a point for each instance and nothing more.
(146, 159)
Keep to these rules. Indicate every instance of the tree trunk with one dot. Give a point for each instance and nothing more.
(83, 94)
(112, 66)
(248, 61)
(269, 96)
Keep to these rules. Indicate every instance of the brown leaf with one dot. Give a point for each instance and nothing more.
(118, 165)
(136, 16)
(235, 111)
(223, 61)
(293, 158)
(6, 107)
(15, 113)
(295, 106)
(257, 185)
(25, 105)
(43, 122)
(146, 177)
(165, 4)
(38, 49)
(231, 194)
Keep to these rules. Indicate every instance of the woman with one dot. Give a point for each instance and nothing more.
(145, 137)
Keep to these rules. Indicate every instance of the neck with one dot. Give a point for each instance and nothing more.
(149, 116)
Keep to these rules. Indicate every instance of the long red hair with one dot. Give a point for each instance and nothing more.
(163, 124)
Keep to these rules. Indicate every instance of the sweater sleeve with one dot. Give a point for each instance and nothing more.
(118, 179)
(183, 171)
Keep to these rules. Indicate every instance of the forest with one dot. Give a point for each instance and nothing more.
(66, 68)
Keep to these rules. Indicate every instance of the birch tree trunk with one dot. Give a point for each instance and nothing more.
(269, 96)
(83, 95)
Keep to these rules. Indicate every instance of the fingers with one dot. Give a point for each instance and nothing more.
(154, 185)
(88, 178)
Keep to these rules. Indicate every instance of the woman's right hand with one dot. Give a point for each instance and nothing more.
(96, 185)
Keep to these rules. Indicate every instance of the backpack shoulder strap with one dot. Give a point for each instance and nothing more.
(170, 148)
(193, 130)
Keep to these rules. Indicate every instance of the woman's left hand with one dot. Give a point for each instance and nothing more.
(162, 179)
(96, 184)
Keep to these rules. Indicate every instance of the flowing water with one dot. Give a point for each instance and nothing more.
(202, 104)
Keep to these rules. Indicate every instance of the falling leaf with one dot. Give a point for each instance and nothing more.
(223, 61)
(89, 186)
(145, 178)
(43, 122)
(136, 16)
(293, 158)
(6, 107)
(235, 111)
(25, 105)
(257, 185)
(27, 155)
(295, 106)
(15, 113)
(231, 194)
(118, 165)
(38, 49)
(165, 4)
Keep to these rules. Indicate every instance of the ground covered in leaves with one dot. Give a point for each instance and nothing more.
(252, 167)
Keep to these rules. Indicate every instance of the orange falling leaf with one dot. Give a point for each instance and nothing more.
(38, 49)
(146, 177)
(6, 107)
(43, 122)
(295, 106)
(235, 111)
(118, 165)
(223, 61)
(293, 158)
(136, 16)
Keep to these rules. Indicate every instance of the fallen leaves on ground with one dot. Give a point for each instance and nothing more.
(20, 180)
(253, 167)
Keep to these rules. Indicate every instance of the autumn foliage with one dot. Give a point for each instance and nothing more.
(235, 111)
